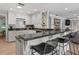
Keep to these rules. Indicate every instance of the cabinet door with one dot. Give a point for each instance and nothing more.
(11, 18)
(11, 36)
(52, 22)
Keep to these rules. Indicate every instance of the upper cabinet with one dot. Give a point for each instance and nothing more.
(44, 19)
(11, 18)
(57, 24)
(40, 20)
(36, 20)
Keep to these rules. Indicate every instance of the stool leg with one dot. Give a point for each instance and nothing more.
(63, 49)
(58, 49)
(70, 48)
(32, 51)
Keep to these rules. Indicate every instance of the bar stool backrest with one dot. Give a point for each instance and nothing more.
(73, 34)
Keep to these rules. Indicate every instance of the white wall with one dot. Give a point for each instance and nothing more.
(2, 12)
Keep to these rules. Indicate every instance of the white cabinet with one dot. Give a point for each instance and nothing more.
(52, 22)
(13, 15)
(36, 20)
(11, 18)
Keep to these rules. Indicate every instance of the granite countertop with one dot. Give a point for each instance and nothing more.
(13, 29)
(32, 36)
(41, 29)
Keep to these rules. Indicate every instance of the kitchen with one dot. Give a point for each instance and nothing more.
(22, 19)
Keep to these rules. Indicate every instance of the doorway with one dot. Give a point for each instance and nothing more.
(2, 26)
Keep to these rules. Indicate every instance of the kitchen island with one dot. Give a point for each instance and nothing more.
(16, 31)
(24, 41)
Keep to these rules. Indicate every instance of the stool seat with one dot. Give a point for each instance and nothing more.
(41, 47)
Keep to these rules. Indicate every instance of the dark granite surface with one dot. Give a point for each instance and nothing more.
(41, 29)
(17, 29)
(27, 37)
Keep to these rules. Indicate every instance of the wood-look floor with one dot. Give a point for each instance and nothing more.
(74, 49)
(7, 48)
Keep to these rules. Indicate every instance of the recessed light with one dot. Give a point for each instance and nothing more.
(11, 8)
(35, 9)
(66, 8)
(29, 12)
(51, 14)
(19, 7)
(43, 10)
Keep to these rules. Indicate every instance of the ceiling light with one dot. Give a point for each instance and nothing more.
(66, 8)
(20, 5)
(29, 12)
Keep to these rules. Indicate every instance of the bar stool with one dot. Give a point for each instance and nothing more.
(45, 48)
(74, 39)
(63, 44)
(73, 34)
(70, 36)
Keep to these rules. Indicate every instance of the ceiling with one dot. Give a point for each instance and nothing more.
(55, 8)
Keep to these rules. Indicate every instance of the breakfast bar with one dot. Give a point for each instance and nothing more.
(25, 41)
